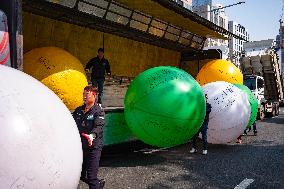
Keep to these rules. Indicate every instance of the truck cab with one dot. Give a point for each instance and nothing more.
(256, 85)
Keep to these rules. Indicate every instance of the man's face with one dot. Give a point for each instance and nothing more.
(89, 97)
(101, 55)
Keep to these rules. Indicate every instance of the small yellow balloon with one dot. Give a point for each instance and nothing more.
(219, 70)
(58, 70)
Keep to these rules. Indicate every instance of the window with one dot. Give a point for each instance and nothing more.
(140, 21)
(172, 33)
(118, 14)
(185, 38)
(117, 18)
(221, 22)
(90, 9)
(115, 12)
(66, 3)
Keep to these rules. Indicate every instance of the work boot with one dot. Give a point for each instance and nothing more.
(204, 152)
(102, 183)
(255, 133)
(193, 150)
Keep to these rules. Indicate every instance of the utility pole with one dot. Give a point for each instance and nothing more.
(213, 10)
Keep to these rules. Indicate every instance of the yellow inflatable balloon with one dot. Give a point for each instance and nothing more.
(58, 70)
(219, 70)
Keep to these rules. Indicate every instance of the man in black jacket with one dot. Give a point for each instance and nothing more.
(90, 121)
(203, 129)
(100, 66)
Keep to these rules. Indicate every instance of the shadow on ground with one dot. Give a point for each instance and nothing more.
(224, 167)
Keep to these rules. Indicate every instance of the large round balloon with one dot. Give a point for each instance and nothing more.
(58, 70)
(230, 112)
(219, 70)
(253, 103)
(40, 145)
(164, 106)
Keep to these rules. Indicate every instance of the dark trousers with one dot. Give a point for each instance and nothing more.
(253, 127)
(203, 131)
(90, 167)
(99, 83)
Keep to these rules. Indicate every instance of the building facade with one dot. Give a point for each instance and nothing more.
(278, 38)
(185, 3)
(280, 51)
(218, 17)
(236, 45)
(255, 48)
(196, 3)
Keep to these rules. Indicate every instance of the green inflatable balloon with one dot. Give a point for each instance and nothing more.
(253, 103)
(164, 106)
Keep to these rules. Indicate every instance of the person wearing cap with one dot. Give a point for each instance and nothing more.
(90, 122)
(203, 129)
(100, 67)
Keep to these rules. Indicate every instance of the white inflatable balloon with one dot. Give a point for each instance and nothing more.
(230, 112)
(40, 146)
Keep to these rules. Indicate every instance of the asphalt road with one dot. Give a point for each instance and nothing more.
(260, 158)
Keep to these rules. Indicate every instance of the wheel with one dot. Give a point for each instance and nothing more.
(277, 111)
(273, 113)
(261, 113)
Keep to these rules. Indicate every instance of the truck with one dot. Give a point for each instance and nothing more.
(263, 77)
(135, 36)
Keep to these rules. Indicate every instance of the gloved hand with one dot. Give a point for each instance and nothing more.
(89, 137)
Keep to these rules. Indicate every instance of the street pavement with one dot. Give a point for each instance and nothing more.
(256, 163)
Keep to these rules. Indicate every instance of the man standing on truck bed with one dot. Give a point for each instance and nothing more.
(100, 66)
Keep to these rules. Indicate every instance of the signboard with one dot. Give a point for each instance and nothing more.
(4, 41)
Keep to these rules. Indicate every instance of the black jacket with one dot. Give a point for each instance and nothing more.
(100, 67)
(92, 122)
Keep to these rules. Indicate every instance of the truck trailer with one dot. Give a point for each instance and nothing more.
(135, 36)
(263, 77)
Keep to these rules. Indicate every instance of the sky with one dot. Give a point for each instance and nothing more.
(260, 17)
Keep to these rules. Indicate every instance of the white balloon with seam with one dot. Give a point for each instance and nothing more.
(230, 112)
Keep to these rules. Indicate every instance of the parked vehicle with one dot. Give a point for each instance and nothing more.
(263, 77)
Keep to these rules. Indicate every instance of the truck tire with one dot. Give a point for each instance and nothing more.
(273, 113)
(277, 111)
(261, 113)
